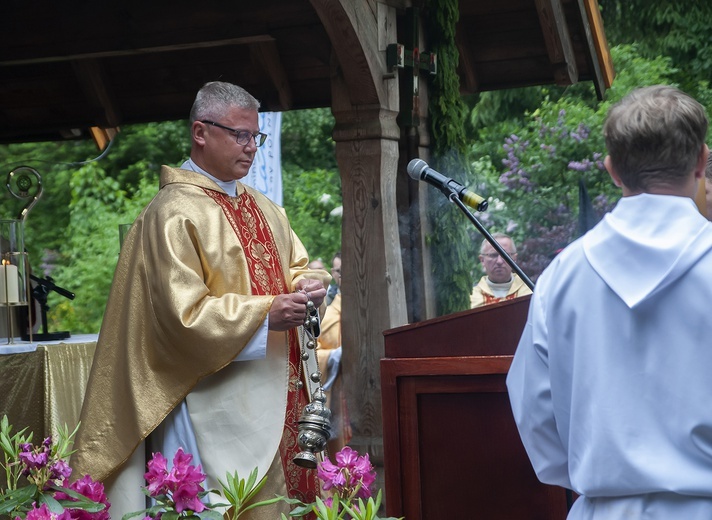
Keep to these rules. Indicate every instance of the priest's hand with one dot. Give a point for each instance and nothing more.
(290, 310)
(313, 289)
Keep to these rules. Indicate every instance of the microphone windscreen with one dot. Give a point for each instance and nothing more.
(415, 168)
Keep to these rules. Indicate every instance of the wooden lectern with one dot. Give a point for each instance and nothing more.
(452, 450)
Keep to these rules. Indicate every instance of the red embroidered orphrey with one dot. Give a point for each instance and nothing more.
(266, 276)
(493, 299)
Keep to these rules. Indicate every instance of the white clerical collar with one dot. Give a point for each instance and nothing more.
(500, 289)
(229, 187)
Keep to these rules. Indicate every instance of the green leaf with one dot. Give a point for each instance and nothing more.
(52, 504)
(17, 498)
(80, 501)
(210, 514)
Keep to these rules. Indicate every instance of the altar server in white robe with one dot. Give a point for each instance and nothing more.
(611, 384)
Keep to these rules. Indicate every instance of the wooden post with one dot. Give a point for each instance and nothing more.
(365, 105)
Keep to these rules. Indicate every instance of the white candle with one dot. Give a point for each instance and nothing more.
(9, 286)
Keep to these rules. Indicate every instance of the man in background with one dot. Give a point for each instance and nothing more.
(499, 282)
(335, 287)
(610, 383)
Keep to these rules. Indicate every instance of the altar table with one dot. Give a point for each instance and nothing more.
(42, 384)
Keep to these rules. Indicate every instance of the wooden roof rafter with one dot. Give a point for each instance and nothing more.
(266, 54)
(558, 42)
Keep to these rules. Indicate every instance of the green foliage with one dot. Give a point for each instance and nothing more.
(311, 181)
(86, 262)
(339, 509)
(239, 492)
(306, 139)
(314, 209)
(679, 30)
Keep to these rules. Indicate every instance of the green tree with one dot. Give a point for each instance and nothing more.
(541, 159)
(311, 181)
(678, 30)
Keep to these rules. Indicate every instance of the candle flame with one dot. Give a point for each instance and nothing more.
(5, 262)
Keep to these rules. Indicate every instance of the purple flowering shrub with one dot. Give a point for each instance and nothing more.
(37, 479)
(536, 191)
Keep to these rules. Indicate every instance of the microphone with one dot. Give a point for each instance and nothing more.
(419, 170)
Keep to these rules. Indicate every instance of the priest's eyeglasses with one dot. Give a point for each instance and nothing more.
(241, 136)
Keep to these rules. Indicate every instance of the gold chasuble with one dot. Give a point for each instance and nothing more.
(195, 280)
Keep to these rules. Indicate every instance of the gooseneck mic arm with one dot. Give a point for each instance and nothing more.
(497, 247)
(419, 170)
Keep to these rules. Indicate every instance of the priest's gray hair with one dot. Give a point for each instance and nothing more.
(217, 97)
(654, 137)
(498, 237)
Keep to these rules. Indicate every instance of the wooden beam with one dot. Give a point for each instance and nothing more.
(558, 42)
(102, 136)
(600, 43)
(467, 64)
(351, 26)
(267, 55)
(92, 79)
(142, 50)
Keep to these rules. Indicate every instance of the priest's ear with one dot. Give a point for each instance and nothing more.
(701, 166)
(197, 132)
(612, 171)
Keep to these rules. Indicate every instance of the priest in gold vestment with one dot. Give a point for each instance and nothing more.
(199, 346)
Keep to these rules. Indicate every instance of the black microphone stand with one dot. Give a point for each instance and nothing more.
(453, 196)
(41, 292)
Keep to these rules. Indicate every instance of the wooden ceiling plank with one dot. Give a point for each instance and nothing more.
(558, 42)
(142, 50)
(267, 54)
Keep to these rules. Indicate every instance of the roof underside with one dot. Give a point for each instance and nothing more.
(68, 66)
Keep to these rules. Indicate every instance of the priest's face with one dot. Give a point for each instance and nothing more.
(222, 156)
(494, 265)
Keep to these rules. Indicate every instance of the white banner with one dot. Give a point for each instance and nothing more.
(266, 171)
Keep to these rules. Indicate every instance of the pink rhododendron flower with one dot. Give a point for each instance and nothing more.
(352, 477)
(183, 472)
(181, 485)
(346, 457)
(156, 475)
(43, 513)
(186, 497)
(91, 489)
(331, 475)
